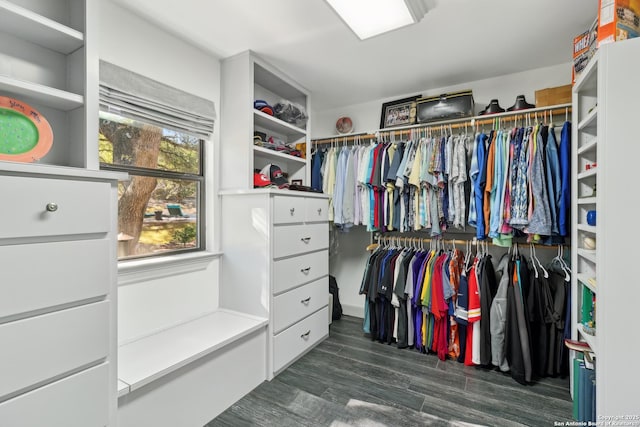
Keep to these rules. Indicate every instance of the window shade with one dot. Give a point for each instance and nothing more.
(138, 97)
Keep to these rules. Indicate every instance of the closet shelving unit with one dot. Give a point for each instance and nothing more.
(605, 133)
(57, 320)
(247, 78)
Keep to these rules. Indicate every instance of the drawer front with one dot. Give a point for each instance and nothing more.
(38, 275)
(317, 210)
(80, 400)
(290, 307)
(292, 342)
(42, 347)
(287, 210)
(296, 239)
(291, 272)
(80, 207)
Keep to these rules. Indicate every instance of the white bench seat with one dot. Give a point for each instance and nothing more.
(142, 361)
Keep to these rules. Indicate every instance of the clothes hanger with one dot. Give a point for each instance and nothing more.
(533, 262)
(545, 272)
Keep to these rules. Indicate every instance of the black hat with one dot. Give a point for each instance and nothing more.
(520, 104)
(274, 173)
(492, 108)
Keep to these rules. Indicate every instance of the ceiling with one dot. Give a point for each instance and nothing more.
(458, 41)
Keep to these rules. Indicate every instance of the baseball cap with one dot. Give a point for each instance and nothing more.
(274, 173)
(263, 106)
(260, 180)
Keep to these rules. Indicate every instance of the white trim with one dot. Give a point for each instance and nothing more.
(141, 270)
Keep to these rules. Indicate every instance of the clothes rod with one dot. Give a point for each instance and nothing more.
(533, 114)
(473, 241)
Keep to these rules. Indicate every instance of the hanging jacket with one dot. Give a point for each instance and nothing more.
(564, 210)
(498, 316)
(488, 290)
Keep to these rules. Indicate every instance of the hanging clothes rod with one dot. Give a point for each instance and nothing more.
(406, 239)
(533, 114)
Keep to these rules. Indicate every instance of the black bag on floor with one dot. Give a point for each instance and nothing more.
(333, 290)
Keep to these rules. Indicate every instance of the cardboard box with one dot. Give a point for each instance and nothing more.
(584, 47)
(618, 20)
(553, 96)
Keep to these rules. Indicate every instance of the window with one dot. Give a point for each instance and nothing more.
(155, 133)
(160, 208)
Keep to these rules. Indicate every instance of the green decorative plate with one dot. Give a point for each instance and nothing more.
(25, 135)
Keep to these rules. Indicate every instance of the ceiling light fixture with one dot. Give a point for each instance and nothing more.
(368, 18)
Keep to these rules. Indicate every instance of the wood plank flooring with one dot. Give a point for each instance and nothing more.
(349, 380)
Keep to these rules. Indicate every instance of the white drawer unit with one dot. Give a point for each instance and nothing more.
(295, 239)
(58, 243)
(74, 401)
(25, 289)
(291, 272)
(296, 304)
(276, 265)
(298, 338)
(53, 207)
(40, 348)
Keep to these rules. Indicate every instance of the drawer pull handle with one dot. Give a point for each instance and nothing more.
(306, 300)
(52, 207)
(305, 270)
(292, 210)
(306, 239)
(305, 335)
(319, 211)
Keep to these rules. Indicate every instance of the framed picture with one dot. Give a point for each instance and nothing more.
(296, 181)
(401, 112)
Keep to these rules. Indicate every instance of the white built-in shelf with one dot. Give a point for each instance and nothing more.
(589, 122)
(276, 125)
(35, 28)
(587, 228)
(590, 339)
(275, 155)
(588, 173)
(588, 147)
(145, 360)
(45, 95)
(588, 280)
(587, 81)
(123, 388)
(588, 254)
(587, 201)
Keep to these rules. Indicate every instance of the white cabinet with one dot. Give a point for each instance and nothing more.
(246, 78)
(276, 265)
(49, 60)
(605, 132)
(57, 309)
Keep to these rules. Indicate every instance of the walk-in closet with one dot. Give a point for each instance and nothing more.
(318, 213)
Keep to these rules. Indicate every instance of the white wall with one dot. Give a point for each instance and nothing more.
(366, 117)
(134, 44)
(348, 255)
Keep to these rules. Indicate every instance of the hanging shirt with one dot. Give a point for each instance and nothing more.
(565, 173)
(473, 176)
(554, 180)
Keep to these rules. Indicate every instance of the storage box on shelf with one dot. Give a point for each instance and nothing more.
(245, 79)
(49, 61)
(604, 156)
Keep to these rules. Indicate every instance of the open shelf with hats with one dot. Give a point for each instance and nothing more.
(50, 66)
(604, 157)
(264, 121)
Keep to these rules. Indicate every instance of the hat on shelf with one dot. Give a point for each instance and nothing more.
(520, 104)
(260, 180)
(275, 174)
(492, 108)
(263, 106)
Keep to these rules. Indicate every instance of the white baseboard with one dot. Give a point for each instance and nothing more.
(353, 310)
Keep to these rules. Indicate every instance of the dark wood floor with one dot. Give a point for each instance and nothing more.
(348, 380)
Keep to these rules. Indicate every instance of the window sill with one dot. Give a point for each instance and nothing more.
(135, 271)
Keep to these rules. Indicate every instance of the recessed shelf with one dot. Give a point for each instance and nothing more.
(35, 28)
(590, 120)
(590, 339)
(587, 228)
(277, 155)
(276, 125)
(587, 201)
(588, 173)
(588, 281)
(588, 147)
(45, 95)
(588, 254)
